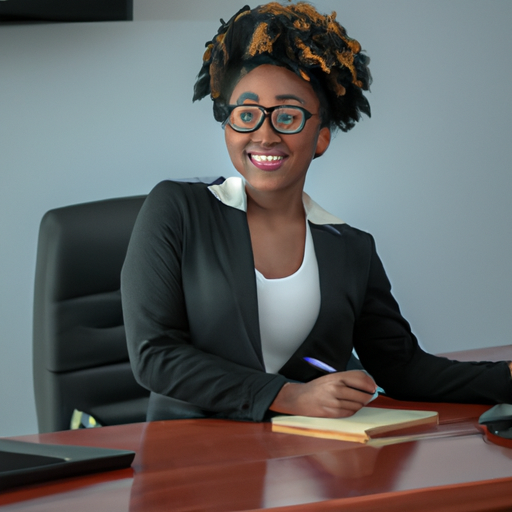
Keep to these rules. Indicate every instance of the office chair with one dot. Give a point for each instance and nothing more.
(80, 359)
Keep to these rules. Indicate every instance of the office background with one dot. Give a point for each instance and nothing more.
(97, 110)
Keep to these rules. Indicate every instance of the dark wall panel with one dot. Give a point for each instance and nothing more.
(66, 10)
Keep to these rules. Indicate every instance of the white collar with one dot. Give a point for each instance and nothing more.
(232, 193)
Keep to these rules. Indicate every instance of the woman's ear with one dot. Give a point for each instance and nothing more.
(324, 139)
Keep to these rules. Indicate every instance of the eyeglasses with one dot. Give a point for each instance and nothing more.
(287, 119)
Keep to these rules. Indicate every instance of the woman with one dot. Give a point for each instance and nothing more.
(227, 287)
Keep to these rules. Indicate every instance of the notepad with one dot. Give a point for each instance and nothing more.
(365, 424)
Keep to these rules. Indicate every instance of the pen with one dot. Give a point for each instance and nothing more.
(320, 365)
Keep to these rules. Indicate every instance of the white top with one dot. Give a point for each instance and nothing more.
(288, 308)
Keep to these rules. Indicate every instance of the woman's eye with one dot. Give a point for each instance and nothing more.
(246, 117)
(284, 118)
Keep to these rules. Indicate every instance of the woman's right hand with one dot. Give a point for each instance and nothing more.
(336, 395)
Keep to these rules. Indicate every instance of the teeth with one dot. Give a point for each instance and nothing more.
(267, 158)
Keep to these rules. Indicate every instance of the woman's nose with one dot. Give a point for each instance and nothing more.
(265, 134)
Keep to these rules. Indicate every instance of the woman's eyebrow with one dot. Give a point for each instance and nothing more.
(290, 97)
(247, 96)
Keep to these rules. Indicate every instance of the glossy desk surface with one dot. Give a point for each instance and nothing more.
(218, 465)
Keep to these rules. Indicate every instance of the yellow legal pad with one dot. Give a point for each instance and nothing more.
(361, 427)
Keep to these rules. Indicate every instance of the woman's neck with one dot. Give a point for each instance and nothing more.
(275, 206)
(278, 232)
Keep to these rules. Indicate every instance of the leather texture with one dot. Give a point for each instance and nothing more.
(80, 359)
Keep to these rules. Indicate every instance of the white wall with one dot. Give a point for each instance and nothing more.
(96, 110)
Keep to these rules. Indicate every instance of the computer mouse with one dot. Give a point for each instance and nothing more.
(498, 420)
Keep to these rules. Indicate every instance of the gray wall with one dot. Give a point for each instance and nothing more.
(96, 110)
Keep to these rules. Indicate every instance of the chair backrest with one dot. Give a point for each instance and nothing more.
(80, 359)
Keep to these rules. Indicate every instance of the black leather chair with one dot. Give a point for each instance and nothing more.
(80, 359)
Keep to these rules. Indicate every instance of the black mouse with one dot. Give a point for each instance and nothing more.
(498, 420)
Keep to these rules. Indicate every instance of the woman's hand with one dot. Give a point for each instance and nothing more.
(336, 395)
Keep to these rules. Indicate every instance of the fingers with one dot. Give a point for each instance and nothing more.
(353, 386)
(357, 379)
(341, 400)
(347, 394)
(335, 395)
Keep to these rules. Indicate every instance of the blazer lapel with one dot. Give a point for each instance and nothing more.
(243, 283)
(328, 340)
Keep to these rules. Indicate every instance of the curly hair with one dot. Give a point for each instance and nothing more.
(295, 36)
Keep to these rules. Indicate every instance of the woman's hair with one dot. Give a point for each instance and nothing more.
(295, 36)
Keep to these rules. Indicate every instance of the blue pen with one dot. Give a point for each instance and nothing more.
(329, 369)
(320, 365)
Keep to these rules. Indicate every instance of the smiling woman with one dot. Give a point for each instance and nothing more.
(228, 286)
(270, 159)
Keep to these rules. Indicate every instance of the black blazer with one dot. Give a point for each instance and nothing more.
(191, 316)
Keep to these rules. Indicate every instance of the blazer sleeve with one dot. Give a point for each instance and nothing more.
(162, 354)
(391, 354)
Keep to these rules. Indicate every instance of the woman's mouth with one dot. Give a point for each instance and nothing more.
(267, 162)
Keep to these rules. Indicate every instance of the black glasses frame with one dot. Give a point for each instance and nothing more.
(267, 112)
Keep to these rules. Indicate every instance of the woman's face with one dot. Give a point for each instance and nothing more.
(268, 160)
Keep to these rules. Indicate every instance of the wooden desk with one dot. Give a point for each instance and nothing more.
(217, 465)
(503, 353)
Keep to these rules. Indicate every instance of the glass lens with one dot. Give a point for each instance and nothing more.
(288, 119)
(245, 117)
